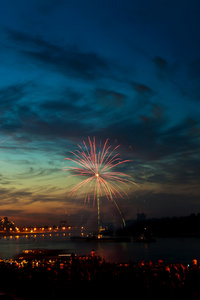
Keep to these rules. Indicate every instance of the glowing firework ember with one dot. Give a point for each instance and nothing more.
(97, 165)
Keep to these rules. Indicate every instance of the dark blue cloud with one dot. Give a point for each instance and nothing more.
(69, 60)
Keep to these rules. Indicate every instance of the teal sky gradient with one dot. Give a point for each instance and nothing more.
(124, 70)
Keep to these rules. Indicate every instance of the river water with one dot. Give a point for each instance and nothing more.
(168, 249)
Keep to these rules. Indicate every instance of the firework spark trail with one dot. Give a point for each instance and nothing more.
(97, 166)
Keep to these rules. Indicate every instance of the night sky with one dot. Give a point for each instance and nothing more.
(124, 70)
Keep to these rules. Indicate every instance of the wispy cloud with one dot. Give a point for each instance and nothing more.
(69, 60)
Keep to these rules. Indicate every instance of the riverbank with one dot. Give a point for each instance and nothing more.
(95, 278)
(30, 233)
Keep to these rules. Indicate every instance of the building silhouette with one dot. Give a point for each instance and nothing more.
(141, 216)
(6, 225)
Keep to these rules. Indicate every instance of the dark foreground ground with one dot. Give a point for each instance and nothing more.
(93, 278)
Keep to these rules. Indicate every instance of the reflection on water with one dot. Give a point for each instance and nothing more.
(168, 249)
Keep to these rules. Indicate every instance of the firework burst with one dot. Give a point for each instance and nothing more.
(97, 167)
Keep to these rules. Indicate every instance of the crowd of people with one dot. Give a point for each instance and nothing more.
(94, 278)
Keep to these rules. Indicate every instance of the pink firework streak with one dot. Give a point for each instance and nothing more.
(98, 168)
